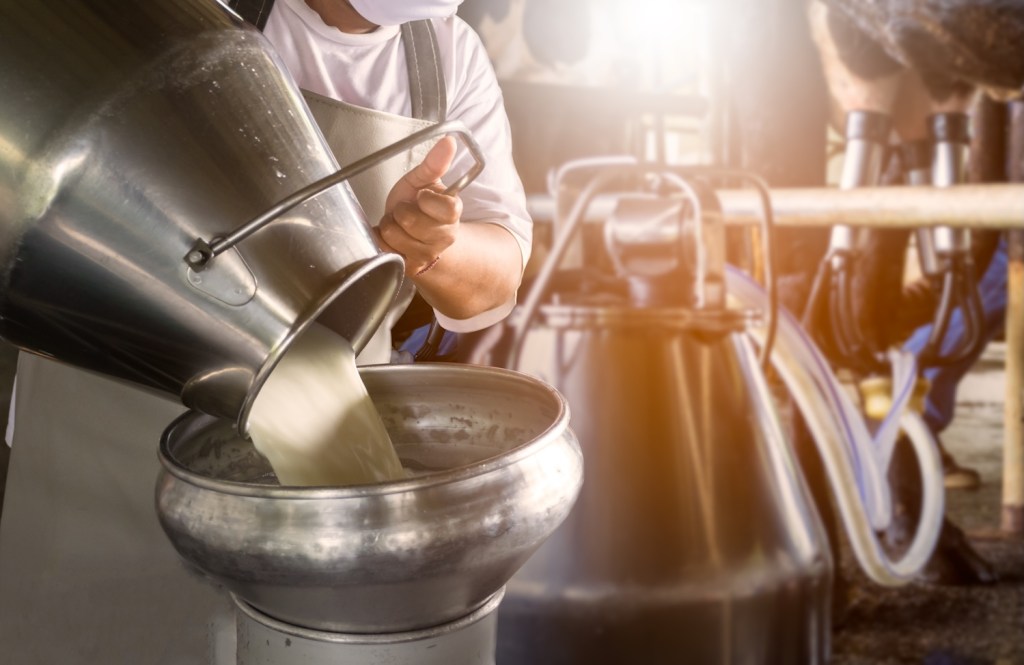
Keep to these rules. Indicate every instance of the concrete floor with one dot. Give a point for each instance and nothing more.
(914, 624)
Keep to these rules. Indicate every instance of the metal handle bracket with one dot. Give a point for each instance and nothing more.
(203, 251)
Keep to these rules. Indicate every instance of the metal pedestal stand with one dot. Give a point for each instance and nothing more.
(466, 641)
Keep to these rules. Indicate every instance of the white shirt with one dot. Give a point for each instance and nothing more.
(369, 70)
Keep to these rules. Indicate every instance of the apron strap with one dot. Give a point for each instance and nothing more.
(429, 102)
(426, 78)
(422, 55)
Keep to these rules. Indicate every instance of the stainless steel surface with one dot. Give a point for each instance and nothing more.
(865, 160)
(990, 206)
(862, 165)
(469, 640)
(649, 235)
(948, 169)
(128, 131)
(694, 538)
(390, 557)
(699, 270)
(203, 250)
(927, 257)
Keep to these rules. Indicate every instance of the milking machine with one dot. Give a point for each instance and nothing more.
(694, 537)
(892, 388)
(173, 219)
(891, 379)
(945, 253)
(831, 298)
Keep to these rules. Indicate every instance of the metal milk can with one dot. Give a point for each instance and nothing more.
(170, 214)
(694, 538)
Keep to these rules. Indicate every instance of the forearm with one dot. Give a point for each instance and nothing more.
(481, 270)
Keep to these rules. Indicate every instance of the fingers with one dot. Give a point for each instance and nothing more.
(429, 220)
(423, 229)
(420, 222)
(435, 164)
(438, 206)
(417, 254)
(427, 173)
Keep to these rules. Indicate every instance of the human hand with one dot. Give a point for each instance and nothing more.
(420, 222)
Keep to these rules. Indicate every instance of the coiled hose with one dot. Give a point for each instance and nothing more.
(856, 462)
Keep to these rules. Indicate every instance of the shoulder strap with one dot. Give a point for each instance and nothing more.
(426, 78)
(429, 102)
(255, 12)
(423, 58)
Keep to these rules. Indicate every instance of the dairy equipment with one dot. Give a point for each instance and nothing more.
(944, 253)
(694, 538)
(946, 258)
(172, 216)
(171, 220)
(831, 298)
(402, 572)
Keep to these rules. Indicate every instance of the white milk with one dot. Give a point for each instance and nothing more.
(314, 420)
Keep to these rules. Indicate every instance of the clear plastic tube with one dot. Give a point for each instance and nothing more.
(856, 462)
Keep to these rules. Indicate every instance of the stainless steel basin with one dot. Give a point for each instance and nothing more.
(494, 469)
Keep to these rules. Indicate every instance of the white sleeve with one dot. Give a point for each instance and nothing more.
(496, 196)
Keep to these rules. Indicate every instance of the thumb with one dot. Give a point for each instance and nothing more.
(425, 174)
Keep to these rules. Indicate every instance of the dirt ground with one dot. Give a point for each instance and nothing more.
(951, 625)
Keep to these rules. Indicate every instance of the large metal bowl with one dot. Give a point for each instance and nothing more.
(495, 470)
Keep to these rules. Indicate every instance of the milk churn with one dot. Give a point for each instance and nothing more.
(694, 539)
(170, 214)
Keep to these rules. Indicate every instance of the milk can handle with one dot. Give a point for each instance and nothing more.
(203, 251)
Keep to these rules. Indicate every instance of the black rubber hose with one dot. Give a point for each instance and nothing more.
(430, 347)
(931, 354)
(972, 312)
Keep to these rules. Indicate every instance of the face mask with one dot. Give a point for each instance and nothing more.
(396, 12)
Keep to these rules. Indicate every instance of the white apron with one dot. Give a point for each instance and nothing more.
(353, 132)
(86, 573)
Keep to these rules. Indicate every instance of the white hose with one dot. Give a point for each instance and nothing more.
(856, 463)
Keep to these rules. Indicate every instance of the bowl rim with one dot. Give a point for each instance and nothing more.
(553, 432)
(481, 612)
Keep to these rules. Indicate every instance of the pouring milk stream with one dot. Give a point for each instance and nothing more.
(314, 420)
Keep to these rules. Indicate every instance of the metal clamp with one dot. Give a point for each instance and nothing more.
(203, 251)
